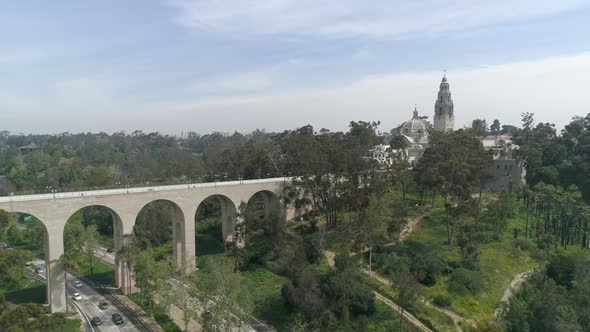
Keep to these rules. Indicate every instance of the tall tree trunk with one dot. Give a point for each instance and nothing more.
(401, 319)
(370, 259)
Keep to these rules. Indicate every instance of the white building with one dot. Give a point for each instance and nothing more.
(507, 166)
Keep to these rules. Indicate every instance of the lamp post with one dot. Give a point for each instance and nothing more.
(127, 187)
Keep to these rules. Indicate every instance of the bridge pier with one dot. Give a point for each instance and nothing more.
(54, 270)
(123, 273)
(228, 220)
(183, 239)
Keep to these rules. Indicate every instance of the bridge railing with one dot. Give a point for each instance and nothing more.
(130, 190)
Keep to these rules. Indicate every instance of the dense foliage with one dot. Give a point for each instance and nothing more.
(557, 298)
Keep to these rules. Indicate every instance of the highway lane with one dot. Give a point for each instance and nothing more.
(90, 301)
(105, 256)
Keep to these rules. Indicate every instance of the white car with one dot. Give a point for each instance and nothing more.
(27, 264)
(77, 284)
(77, 296)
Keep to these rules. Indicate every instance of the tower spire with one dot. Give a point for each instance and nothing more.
(416, 111)
(443, 107)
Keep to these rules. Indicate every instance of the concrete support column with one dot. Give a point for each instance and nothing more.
(122, 240)
(238, 227)
(186, 241)
(56, 278)
(228, 220)
(177, 236)
(124, 277)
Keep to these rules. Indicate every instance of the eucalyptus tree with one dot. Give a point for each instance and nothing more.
(454, 165)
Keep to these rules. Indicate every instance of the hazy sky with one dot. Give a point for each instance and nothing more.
(225, 65)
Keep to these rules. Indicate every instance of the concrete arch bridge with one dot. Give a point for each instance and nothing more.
(54, 209)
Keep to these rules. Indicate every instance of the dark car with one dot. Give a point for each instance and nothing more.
(96, 321)
(103, 305)
(109, 250)
(117, 319)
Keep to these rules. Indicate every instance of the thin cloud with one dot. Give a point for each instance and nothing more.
(382, 19)
(553, 88)
(239, 82)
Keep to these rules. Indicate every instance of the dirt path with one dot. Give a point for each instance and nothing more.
(515, 284)
(451, 314)
(408, 316)
(405, 232)
(410, 226)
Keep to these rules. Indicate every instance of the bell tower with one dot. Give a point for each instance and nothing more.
(444, 119)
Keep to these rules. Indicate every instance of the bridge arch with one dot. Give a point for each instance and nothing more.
(219, 212)
(151, 214)
(53, 250)
(108, 222)
(265, 204)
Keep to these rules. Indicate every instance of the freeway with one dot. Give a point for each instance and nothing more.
(89, 302)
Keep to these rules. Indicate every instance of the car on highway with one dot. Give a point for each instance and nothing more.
(96, 321)
(77, 284)
(103, 305)
(109, 250)
(77, 296)
(27, 264)
(117, 318)
(39, 270)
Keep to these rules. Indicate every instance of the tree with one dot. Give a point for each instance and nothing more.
(4, 221)
(498, 212)
(377, 220)
(180, 293)
(495, 127)
(299, 325)
(90, 244)
(150, 275)
(406, 287)
(224, 298)
(479, 127)
(399, 171)
(453, 164)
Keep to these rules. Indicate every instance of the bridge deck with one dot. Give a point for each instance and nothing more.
(132, 190)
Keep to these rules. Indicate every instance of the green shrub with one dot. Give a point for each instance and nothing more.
(442, 300)
(521, 244)
(463, 282)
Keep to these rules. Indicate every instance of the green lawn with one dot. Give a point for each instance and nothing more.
(269, 305)
(103, 274)
(106, 240)
(31, 291)
(72, 325)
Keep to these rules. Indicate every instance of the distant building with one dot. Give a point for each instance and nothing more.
(507, 166)
(414, 132)
(444, 118)
(29, 147)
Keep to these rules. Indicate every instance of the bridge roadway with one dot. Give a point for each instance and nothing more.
(54, 209)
